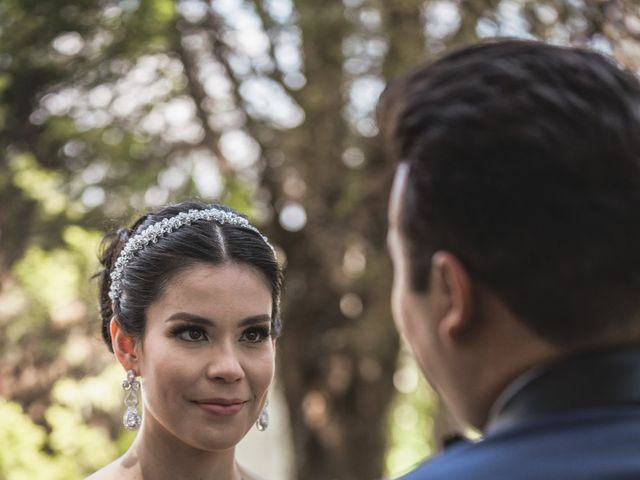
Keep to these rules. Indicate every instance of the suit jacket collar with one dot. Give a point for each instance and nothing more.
(585, 380)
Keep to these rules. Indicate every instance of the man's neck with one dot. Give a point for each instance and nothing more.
(587, 379)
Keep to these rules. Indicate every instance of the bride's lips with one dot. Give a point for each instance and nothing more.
(221, 406)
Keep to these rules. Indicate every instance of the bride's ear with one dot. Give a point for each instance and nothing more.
(125, 347)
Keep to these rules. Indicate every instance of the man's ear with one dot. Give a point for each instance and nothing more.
(456, 285)
(125, 347)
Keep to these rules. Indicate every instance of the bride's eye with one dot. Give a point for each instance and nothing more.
(256, 334)
(191, 334)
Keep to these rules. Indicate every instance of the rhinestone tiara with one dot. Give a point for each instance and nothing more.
(152, 233)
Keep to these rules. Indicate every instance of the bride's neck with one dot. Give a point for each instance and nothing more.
(158, 455)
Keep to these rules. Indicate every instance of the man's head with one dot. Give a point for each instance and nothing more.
(519, 183)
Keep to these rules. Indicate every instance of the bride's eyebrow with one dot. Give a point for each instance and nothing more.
(192, 318)
(255, 320)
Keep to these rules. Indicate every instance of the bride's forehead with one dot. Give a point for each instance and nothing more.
(202, 276)
(206, 288)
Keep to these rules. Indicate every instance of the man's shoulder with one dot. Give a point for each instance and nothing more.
(591, 445)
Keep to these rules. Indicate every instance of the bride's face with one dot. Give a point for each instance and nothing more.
(207, 357)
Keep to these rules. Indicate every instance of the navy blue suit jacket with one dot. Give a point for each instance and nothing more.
(577, 420)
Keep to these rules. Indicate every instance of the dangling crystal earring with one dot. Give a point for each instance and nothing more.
(131, 419)
(263, 420)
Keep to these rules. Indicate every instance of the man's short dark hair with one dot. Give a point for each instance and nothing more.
(525, 163)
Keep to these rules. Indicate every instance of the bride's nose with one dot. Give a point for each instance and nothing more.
(224, 363)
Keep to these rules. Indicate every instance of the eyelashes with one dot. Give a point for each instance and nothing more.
(190, 333)
(256, 334)
(196, 333)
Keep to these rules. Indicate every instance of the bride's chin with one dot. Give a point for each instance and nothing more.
(216, 441)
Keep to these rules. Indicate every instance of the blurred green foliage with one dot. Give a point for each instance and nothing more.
(70, 444)
(39, 184)
(22, 443)
(410, 421)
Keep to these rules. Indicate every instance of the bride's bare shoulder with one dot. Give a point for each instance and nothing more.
(116, 470)
(252, 476)
(249, 475)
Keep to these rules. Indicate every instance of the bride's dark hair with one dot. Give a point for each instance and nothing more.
(152, 268)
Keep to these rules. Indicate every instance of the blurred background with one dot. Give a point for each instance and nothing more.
(111, 107)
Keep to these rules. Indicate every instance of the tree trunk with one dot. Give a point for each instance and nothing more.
(336, 366)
